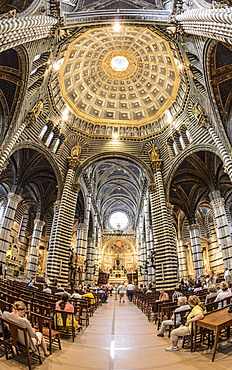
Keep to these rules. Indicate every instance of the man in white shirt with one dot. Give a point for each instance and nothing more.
(121, 292)
(130, 291)
(227, 276)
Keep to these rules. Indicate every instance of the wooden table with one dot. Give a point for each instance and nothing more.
(215, 321)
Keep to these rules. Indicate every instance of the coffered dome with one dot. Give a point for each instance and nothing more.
(123, 77)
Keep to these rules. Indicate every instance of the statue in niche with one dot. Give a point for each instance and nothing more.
(76, 151)
(37, 108)
(198, 113)
(154, 153)
(117, 262)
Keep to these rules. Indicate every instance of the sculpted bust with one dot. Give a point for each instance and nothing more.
(154, 153)
(76, 151)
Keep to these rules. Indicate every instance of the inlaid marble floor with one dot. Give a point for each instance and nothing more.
(120, 337)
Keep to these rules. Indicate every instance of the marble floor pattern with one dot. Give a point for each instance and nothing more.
(120, 337)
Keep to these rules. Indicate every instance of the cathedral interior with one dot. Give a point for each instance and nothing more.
(116, 134)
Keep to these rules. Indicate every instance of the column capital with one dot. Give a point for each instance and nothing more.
(76, 187)
(38, 222)
(216, 199)
(73, 162)
(156, 165)
(193, 227)
(81, 226)
(56, 205)
(14, 197)
(152, 187)
(170, 208)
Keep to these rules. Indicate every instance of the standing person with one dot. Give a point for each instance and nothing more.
(110, 289)
(121, 292)
(72, 284)
(5, 272)
(1, 272)
(227, 276)
(197, 313)
(130, 291)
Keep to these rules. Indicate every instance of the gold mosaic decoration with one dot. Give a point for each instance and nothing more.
(99, 94)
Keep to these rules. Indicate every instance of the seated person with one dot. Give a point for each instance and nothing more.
(224, 293)
(76, 294)
(182, 303)
(197, 313)
(46, 289)
(18, 316)
(54, 281)
(163, 296)
(90, 295)
(177, 293)
(32, 283)
(61, 291)
(212, 293)
(197, 288)
(103, 296)
(64, 305)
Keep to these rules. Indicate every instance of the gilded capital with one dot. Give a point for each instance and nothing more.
(152, 187)
(73, 162)
(76, 187)
(156, 165)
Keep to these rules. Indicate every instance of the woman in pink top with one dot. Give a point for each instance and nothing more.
(64, 305)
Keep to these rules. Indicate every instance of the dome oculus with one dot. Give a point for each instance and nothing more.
(119, 63)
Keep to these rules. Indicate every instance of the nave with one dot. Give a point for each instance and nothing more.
(120, 337)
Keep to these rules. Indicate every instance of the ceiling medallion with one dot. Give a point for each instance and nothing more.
(119, 64)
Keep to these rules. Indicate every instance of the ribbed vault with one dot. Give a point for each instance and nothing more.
(117, 185)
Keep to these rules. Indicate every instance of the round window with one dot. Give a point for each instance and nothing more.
(119, 220)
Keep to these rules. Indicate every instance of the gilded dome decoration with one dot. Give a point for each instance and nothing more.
(123, 77)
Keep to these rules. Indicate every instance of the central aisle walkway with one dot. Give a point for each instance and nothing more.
(120, 337)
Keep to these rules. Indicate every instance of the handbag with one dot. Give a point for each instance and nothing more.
(183, 320)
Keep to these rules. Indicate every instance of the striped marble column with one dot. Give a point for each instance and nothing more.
(149, 241)
(51, 245)
(23, 240)
(97, 252)
(81, 242)
(89, 261)
(151, 255)
(227, 161)
(143, 252)
(182, 263)
(82, 230)
(59, 255)
(7, 223)
(194, 234)
(34, 248)
(164, 242)
(223, 231)
(7, 150)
